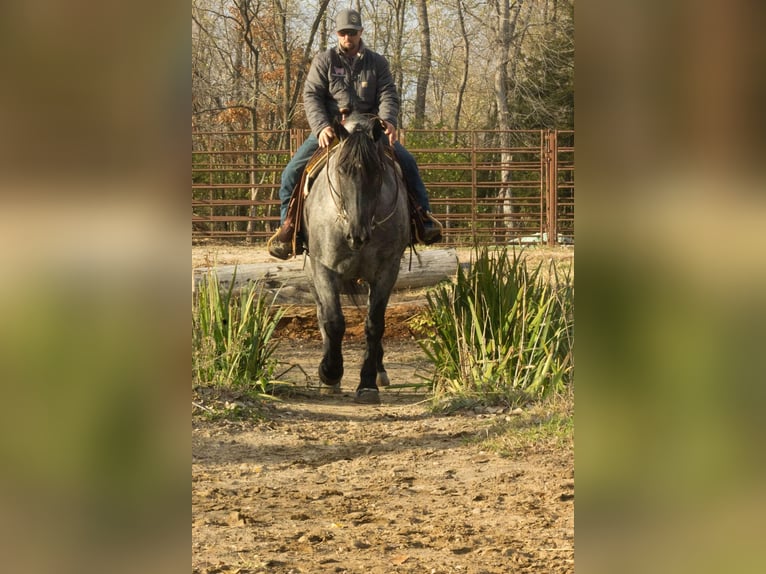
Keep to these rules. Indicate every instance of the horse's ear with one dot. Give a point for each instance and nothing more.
(378, 129)
(337, 126)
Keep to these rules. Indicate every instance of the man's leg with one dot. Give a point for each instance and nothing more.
(283, 249)
(415, 183)
(293, 171)
(412, 174)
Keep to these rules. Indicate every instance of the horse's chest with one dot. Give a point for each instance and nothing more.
(349, 266)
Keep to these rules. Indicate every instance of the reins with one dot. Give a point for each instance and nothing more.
(395, 201)
(338, 198)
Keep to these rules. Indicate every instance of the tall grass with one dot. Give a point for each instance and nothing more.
(232, 332)
(502, 333)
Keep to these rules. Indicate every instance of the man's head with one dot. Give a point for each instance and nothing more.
(348, 26)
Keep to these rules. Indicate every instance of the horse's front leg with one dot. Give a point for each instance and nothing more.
(372, 367)
(332, 325)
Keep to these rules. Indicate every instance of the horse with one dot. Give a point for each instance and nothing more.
(356, 225)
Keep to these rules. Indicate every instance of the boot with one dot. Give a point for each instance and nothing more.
(280, 245)
(432, 229)
(279, 249)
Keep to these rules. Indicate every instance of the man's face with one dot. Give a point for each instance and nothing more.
(349, 40)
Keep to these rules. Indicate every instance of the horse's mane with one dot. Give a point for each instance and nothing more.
(359, 153)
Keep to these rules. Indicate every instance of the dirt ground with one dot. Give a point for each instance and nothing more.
(317, 483)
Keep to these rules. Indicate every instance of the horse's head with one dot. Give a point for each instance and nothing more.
(359, 168)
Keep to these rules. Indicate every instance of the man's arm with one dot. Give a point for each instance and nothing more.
(388, 97)
(316, 92)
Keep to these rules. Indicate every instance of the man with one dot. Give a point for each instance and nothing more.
(348, 78)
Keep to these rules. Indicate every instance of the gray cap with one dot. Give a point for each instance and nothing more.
(348, 20)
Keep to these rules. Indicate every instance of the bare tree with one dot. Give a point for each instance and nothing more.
(398, 8)
(503, 28)
(319, 25)
(424, 70)
(446, 57)
(466, 64)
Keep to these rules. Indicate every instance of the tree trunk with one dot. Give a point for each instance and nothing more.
(318, 26)
(518, 41)
(466, 63)
(289, 282)
(396, 58)
(253, 188)
(424, 71)
(280, 14)
(504, 30)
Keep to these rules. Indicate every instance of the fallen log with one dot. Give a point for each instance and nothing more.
(288, 282)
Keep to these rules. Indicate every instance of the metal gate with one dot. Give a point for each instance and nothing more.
(488, 187)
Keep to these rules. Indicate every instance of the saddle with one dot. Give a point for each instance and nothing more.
(291, 229)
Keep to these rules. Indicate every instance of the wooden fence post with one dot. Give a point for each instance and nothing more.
(551, 192)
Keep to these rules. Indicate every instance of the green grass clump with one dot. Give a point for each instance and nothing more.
(501, 334)
(232, 344)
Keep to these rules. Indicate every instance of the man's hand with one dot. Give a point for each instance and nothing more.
(326, 136)
(390, 132)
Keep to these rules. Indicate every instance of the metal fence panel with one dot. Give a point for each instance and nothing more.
(487, 187)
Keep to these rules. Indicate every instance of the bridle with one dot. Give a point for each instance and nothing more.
(337, 198)
(395, 202)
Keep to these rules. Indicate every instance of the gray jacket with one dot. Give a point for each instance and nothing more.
(333, 83)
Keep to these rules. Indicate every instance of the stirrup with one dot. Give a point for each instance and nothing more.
(279, 249)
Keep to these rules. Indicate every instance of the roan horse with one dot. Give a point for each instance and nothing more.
(357, 226)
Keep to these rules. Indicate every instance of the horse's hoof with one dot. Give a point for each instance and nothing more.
(367, 397)
(330, 389)
(383, 380)
(330, 382)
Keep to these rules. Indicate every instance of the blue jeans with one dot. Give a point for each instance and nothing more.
(294, 168)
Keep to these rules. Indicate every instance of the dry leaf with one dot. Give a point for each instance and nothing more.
(399, 559)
